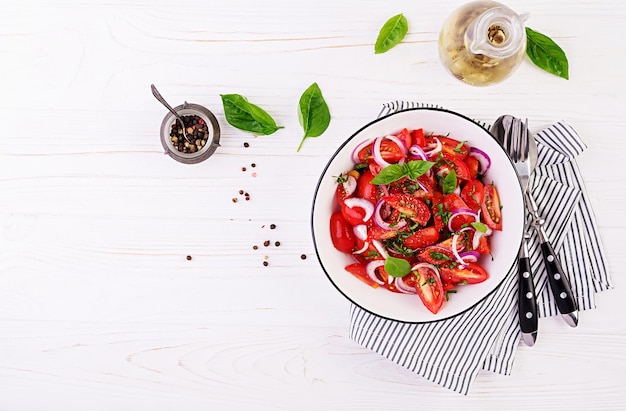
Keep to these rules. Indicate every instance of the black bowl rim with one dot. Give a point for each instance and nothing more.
(322, 174)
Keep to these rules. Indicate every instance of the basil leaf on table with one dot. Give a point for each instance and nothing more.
(397, 267)
(546, 54)
(242, 114)
(392, 33)
(313, 113)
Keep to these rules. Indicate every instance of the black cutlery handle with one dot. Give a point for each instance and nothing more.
(559, 283)
(527, 300)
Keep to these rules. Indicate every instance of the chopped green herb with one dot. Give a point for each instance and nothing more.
(397, 267)
(341, 178)
(479, 226)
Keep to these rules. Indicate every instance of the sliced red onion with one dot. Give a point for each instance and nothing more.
(358, 148)
(361, 203)
(418, 152)
(478, 235)
(349, 186)
(366, 246)
(360, 231)
(381, 248)
(461, 211)
(378, 218)
(470, 256)
(483, 159)
(378, 157)
(454, 247)
(403, 287)
(371, 267)
(434, 150)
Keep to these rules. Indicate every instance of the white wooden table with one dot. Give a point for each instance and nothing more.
(100, 306)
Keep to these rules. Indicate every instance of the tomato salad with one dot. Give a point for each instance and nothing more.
(416, 212)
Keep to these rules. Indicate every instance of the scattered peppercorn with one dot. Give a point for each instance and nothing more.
(188, 258)
(240, 191)
(247, 198)
(234, 199)
(246, 144)
(266, 243)
(265, 263)
(255, 247)
(272, 226)
(253, 165)
(303, 257)
(243, 169)
(277, 243)
(197, 134)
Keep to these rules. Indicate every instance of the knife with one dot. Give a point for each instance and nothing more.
(557, 278)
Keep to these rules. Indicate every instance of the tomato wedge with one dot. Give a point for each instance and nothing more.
(472, 194)
(456, 163)
(472, 273)
(492, 214)
(341, 233)
(422, 238)
(472, 165)
(365, 189)
(359, 271)
(429, 288)
(405, 137)
(418, 137)
(410, 206)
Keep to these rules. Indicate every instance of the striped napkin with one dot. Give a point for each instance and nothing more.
(451, 352)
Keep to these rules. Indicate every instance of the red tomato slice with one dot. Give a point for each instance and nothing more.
(454, 147)
(429, 288)
(410, 206)
(436, 255)
(491, 215)
(390, 152)
(341, 233)
(365, 189)
(418, 137)
(405, 137)
(450, 161)
(472, 194)
(472, 165)
(483, 245)
(359, 271)
(353, 215)
(472, 273)
(422, 238)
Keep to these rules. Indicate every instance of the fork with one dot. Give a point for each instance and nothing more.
(526, 151)
(518, 149)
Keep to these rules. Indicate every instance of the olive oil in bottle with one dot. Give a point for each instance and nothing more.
(482, 42)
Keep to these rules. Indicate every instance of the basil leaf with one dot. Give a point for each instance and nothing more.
(388, 175)
(479, 226)
(397, 267)
(313, 113)
(392, 33)
(242, 114)
(449, 182)
(546, 54)
(416, 168)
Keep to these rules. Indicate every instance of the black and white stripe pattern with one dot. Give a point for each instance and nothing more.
(452, 352)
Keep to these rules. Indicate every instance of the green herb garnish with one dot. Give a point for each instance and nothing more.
(397, 267)
(393, 172)
(449, 182)
(479, 226)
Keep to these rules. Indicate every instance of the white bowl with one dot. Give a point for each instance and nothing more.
(505, 244)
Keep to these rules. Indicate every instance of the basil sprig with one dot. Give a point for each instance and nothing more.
(546, 54)
(397, 267)
(313, 113)
(242, 114)
(392, 33)
(449, 182)
(479, 226)
(393, 172)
